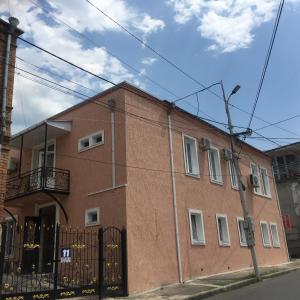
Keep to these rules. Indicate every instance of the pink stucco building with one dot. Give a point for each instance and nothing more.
(127, 159)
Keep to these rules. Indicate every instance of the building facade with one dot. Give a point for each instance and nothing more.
(286, 166)
(125, 158)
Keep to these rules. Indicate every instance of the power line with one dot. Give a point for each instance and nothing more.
(267, 60)
(109, 52)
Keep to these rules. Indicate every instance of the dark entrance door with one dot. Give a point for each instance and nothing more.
(47, 217)
(31, 245)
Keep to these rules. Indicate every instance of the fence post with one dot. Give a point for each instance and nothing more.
(2, 254)
(124, 261)
(100, 262)
(56, 260)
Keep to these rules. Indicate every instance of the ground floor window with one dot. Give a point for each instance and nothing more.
(223, 231)
(241, 230)
(274, 234)
(92, 217)
(196, 227)
(265, 234)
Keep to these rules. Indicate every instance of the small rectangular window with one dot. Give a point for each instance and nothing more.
(196, 227)
(241, 230)
(274, 234)
(265, 182)
(214, 165)
(233, 175)
(223, 231)
(265, 234)
(93, 140)
(191, 155)
(92, 217)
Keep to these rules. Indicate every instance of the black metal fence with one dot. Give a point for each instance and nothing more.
(54, 262)
(51, 179)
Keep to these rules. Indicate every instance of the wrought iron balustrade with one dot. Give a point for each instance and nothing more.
(47, 179)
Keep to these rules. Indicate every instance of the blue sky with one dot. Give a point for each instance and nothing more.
(210, 40)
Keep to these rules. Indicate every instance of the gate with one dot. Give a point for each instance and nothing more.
(55, 262)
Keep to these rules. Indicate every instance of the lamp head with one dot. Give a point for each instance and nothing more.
(235, 90)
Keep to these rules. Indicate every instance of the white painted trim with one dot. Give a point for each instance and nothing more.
(259, 167)
(108, 189)
(89, 137)
(281, 220)
(89, 210)
(197, 175)
(275, 225)
(177, 237)
(238, 228)
(220, 242)
(210, 167)
(231, 175)
(262, 237)
(198, 212)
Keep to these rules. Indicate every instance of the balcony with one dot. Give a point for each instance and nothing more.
(43, 179)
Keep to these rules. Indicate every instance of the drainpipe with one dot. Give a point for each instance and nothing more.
(174, 199)
(13, 25)
(112, 105)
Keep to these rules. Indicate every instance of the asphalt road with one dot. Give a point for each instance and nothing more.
(285, 287)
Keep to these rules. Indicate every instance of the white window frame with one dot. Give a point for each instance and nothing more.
(197, 212)
(91, 210)
(230, 163)
(221, 243)
(266, 245)
(220, 180)
(264, 192)
(276, 244)
(238, 220)
(92, 144)
(196, 159)
(256, 191)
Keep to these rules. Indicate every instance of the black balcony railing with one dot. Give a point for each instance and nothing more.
(41, 179)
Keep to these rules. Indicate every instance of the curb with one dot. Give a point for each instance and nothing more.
(239, 284)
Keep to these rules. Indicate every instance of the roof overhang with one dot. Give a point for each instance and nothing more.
(35, 135)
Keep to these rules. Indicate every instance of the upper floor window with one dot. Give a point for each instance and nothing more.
(214, 165)
(190, 155)
(90, 141)
(196, 227)
(223, 231)
(264, 183)
(233, 175)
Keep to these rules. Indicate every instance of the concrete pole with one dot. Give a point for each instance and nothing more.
(240, 181)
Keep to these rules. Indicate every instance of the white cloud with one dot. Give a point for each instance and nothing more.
(148, 61)
(42, 102)
(229, 24)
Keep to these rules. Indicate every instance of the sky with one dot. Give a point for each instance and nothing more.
(210, 40)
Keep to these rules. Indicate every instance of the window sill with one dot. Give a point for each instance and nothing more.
(268, 246)
(90, 147)
(216, 182)
(224, 244)
(235, 188)
(262, 195)
(92, 224)
(195, 243)
(276, 246)
(243, 245)
(196, 176)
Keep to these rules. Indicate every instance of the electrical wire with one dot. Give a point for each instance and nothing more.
(267, 60)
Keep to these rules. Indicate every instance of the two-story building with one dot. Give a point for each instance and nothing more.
(125, 158)
(286, 166)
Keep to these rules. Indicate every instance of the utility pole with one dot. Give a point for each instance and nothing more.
(248, 223)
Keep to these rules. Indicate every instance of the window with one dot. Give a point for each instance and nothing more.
(241, 230)
(233, 175)
(10, 237)
(274, 234)
(223, 231)
(196, 227)
(93, 140)
(265, 182)
(265, 234)
(92, 217)
(190, 156)
(214, 165)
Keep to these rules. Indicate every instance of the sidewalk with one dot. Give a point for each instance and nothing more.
(211, 285)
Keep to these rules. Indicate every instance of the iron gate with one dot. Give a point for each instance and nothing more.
(43, 261)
